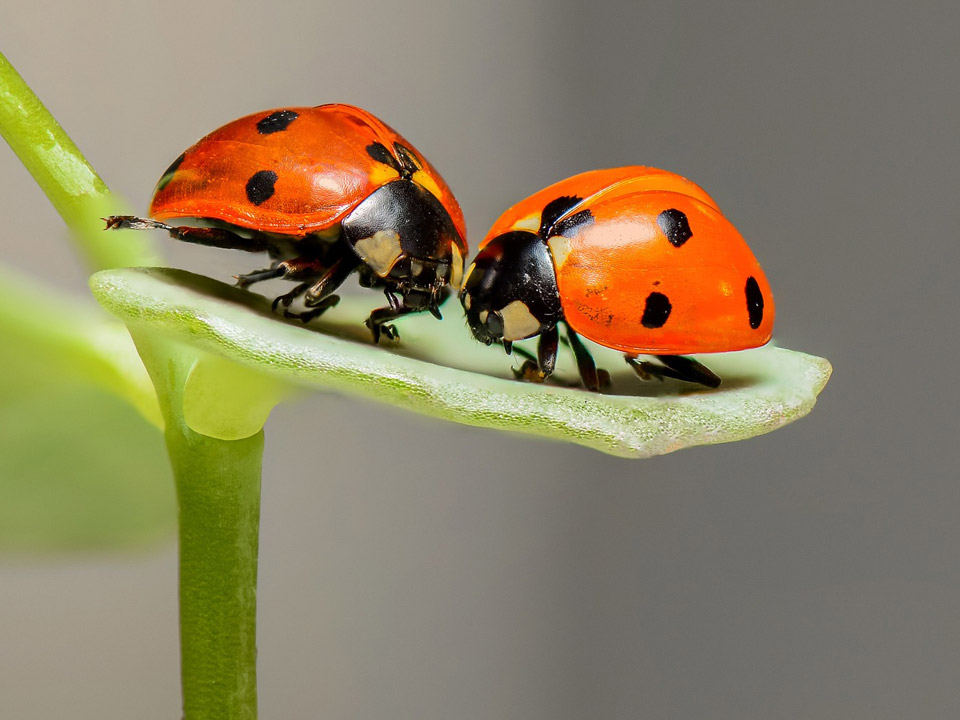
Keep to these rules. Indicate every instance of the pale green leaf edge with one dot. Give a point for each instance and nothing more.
(72, 337)
(763, 389)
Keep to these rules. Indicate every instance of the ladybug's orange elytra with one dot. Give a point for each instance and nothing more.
(326, 191)
(636, 259)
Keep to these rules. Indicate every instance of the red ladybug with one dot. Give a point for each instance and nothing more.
(326, 191)
(636, 259)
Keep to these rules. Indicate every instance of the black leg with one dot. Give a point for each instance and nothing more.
(392, 300)
(332, 279)
(379, 317)
(274, 271)
(319, 292)
(436, 300)
(315, 310)
(546, 360)
(676, 367)
(593, 379)
(690, 370)
(410, 301)
(329, 280)
(214, 237)
(295, 269)
(289, 297)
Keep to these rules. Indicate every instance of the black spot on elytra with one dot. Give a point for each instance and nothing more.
(675, 226)
(379, 152)
(754, 302)
(260, 186)
(569, 225)
(554, 210)
(276, 122)
(168, 173)
(656, 310)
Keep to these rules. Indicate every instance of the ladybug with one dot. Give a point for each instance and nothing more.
(326, 191)
(635, 259)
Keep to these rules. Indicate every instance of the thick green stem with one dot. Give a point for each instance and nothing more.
(65, 176)
(218, 492)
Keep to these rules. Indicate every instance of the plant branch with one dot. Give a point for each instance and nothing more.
(65, 176)
(218, 494)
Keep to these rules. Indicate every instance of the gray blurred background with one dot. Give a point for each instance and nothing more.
(808, 573)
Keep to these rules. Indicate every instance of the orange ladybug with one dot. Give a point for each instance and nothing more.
(326, 191)
(635, 259)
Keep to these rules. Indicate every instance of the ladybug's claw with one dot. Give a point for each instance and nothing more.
(287, 298)
(379, 330)
(377, 322)
(530, 371)
(316, 311)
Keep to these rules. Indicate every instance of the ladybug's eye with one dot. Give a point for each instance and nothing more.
(495, 324)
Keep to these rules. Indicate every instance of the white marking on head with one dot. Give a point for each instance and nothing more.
(467, 302)
(483, 316)
(380, 251)
(518, 321)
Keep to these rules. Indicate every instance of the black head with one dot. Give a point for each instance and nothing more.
(405, 236)
(510, 292)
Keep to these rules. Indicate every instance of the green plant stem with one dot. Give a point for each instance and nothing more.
(218, 481)
(218, 493)
(65, 176)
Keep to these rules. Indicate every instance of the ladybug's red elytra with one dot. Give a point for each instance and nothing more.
(635, 259)
(325, 191)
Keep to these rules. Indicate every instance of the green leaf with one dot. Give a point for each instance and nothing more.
(50, 337)
(79, 468)
(439, 370)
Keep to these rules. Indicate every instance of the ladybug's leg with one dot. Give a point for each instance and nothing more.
(410, 301)
(677, 367)
(248, 279)
(377, 322)
(331, 280)
(214, 237)
(546, 358)
(316, 310)
(289, 297)
(294, 269)
(593, 378)
(437, 300)
(409, 304)
(319, 293)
